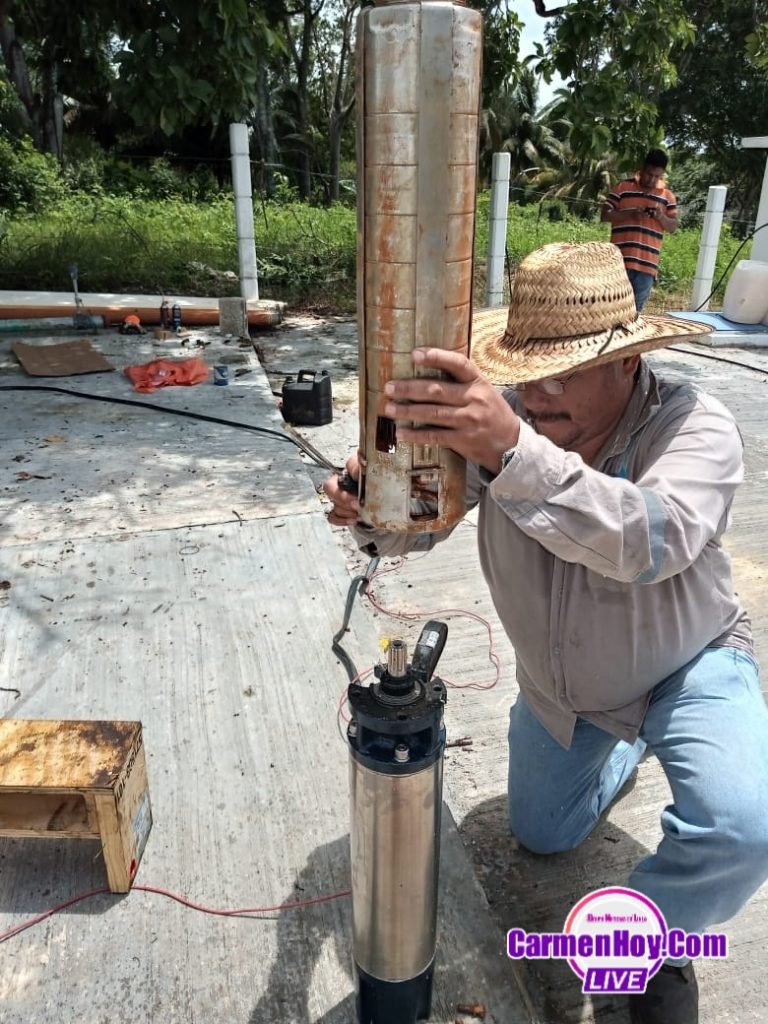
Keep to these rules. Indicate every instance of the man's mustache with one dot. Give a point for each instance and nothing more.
(547, 417)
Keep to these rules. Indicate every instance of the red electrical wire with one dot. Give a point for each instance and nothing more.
(340, 713)
(492, 656)
(243, 912)
(297, 904)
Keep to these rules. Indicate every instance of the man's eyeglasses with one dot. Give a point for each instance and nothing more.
(550, 385)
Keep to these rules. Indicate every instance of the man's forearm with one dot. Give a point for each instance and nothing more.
(612, 216)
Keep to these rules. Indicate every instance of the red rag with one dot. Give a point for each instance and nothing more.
(162, 373)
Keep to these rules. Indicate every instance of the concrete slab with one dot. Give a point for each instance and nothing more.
(86, 468)
(727, 333)
(194, 585)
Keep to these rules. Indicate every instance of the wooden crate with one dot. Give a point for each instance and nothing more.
(78, 779)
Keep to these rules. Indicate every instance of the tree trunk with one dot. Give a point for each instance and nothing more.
(51, 110)
(18, 74)
(341, 106)
(750, 197)
(305, 159)
(43, 112)
(302, 90)
(335, 126)
(264, 127)
(302, 58)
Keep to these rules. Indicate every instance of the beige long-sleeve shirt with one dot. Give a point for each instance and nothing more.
(609, 578)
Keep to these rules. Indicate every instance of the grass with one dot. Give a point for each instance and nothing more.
(306, 255)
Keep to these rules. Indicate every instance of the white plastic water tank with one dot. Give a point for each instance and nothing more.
(746, 296)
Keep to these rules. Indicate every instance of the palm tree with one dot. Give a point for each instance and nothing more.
(582, 183)
(511, 124)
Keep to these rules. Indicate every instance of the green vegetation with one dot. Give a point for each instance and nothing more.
(114, 149)
(140, 80)
(147, 245)
(306, 254)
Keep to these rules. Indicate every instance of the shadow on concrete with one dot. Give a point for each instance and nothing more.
(523, 890)
(303, 937)
(313, 961)
(534, 892)
(39, 873)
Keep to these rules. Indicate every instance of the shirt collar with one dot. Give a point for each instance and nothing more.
(642, 404)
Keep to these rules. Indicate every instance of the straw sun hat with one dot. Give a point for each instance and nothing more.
(572, 307)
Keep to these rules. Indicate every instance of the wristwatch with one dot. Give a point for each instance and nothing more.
(507, 457)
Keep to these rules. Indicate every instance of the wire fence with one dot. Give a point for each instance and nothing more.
(690, 214)
(300, 246)
(689, 211)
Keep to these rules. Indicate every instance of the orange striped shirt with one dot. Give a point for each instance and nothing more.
(640, 238)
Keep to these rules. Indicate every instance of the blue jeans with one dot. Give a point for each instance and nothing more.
(642, 285)
(708, 726)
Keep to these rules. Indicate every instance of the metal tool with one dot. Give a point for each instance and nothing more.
(418, 101)
(82, 321)
(396, 741)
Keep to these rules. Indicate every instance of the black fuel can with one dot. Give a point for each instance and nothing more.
(307, 400)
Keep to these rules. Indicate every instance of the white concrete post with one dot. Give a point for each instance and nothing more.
(241, 187)
(760, 241)
(497, 229)
(710, 239)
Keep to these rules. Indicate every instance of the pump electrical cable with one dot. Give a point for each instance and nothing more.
(359, 585)
(292, 438)
(718, 359)
(730, 264)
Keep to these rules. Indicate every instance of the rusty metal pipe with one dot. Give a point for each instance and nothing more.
(418, 101)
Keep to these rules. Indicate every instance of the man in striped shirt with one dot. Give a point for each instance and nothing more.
(640, 210)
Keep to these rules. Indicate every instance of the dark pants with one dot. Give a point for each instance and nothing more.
(708, 726)
(641, 286)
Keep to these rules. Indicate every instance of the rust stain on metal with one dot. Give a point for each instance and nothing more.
(417, 145)
(387, 296)
(386, 223)
(384, 371)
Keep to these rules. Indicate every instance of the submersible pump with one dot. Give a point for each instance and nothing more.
(396, 742)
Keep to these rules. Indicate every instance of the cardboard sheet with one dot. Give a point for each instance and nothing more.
(65, 359)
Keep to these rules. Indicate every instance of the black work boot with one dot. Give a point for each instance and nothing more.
(671, 997)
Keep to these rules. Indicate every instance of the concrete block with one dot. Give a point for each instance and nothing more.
(233, 317)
